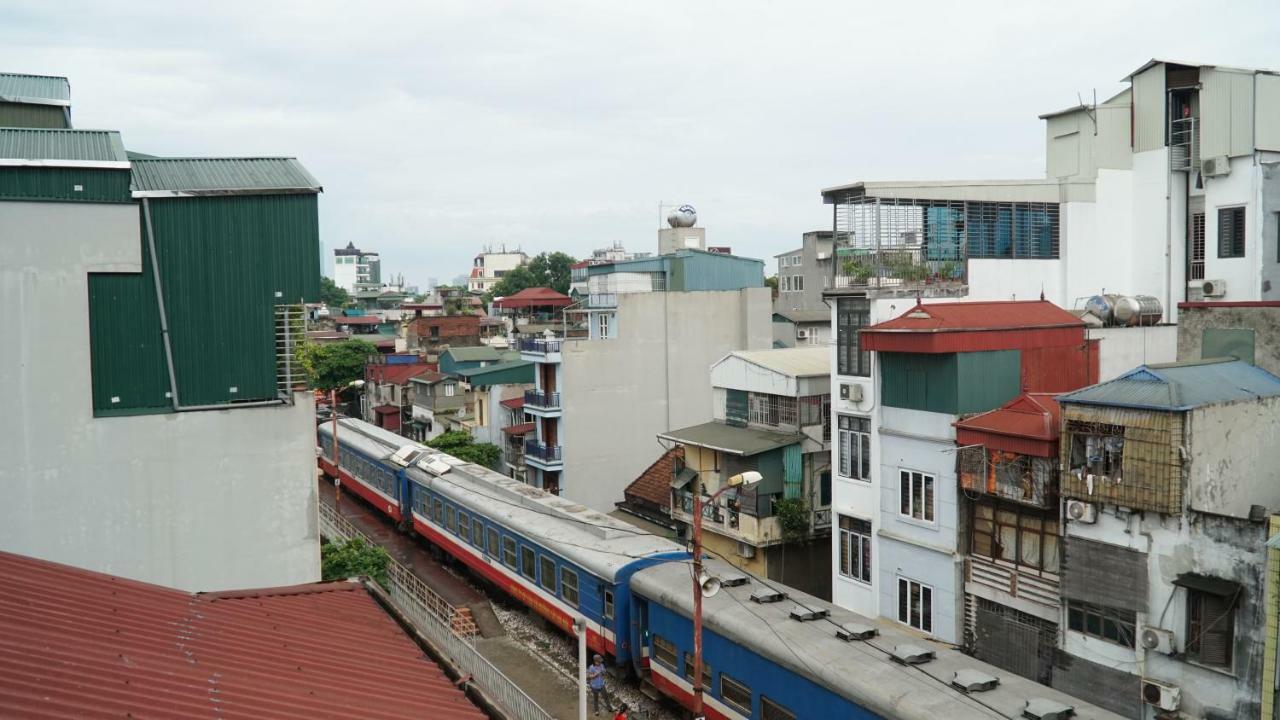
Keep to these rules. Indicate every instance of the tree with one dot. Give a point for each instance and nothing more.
(353, 558)
(332, 295)
(333, 366)
(793, 517)
(544, 270)
(461, 445)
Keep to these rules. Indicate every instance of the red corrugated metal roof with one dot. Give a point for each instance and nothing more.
(521, 429)
(81, 644)
(1030, 416)
(975, 326)
(533, 297)
(395, 374)
(358, 320)
(514, 403)
(386, 410)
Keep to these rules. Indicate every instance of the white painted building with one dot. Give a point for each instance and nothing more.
(356, 270)
(489, 267)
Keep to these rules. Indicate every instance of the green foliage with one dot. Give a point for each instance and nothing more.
(461, 445)
(793, 516)
(333, 365)
(544, 270)
(332, 295)
(858, 270)
(771, 282)
(352, 558)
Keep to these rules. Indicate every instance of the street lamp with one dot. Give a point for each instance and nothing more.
(705, 584)
(333, 408)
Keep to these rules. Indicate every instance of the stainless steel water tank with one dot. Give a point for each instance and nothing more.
(1133, 310)
(1103, 307)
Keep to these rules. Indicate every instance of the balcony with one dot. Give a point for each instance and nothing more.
(545, 457)
(540, 349)
(898, 270)
(542, 404)
(1184, 145)
(821, 519)
(1011, 581)
(1012, 476)
(602, 300)
(729, 522)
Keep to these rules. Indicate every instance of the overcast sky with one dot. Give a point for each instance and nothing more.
(438, 128)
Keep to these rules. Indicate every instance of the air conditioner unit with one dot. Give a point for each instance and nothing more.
(1215, 166)
(1159, 640)
(746, 551)
(851, 392)
(1215, 288)
(1161, 695)
(1082, 512)
(802, 334)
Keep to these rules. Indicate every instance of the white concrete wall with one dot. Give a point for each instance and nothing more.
(198, 501)
(739, 374)
(654, 376)
(1121, 349)
(1234, 453)
(1242, 186)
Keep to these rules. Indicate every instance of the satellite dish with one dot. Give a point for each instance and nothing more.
(683, 217)
(710, 584)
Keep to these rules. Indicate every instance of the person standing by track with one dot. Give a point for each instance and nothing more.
(595, 680)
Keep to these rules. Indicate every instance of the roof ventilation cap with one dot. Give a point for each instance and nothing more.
(972, 681)
(434, 466)
(804, 614)
(856, 631)
(1045, 709)
(912, 654)
(734, 580)
(768, 595)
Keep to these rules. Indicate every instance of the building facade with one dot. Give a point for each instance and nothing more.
(357, 271)
(489, 267)
(800, 315)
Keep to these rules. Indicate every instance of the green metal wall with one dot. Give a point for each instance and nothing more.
(59, 183)
(987, 380)
(225, 263)
(950, 383)
(710, 271)
(793, 463)
(26, 115)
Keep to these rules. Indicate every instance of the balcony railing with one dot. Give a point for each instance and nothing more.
(1012, 476)
(1184, 144)
(543, 400)
(539, 345)
(1017, 581)
(710, 513)
(896, 268)
(539, 451)
(821, 519)
(602, 300)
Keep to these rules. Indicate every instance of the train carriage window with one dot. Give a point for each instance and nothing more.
(770, 710)
(509, 552)
(495, 542)
(735, 694)
(548, 573)
(464, 526)
(569, 586)
(706, 671)
(664, 651)
(528, 566)
(439, 513)
(450, 519)
(608, 604)
(477, 532)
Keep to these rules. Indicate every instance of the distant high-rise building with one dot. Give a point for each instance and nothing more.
(356, 270)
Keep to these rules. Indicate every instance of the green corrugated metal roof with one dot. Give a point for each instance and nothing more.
(1180, 386)
(220, 176)
(39, 89)
(472, 354)
(41, 146)
(503, 373)
(744, 441)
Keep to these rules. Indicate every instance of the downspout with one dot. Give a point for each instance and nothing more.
(164, 317)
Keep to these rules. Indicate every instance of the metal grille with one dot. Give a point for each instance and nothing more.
(1197, 246)
(1014, 640)
(1123, 456)
(291, 333)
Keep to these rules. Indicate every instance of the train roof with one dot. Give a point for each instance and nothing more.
(595, 541)
(862, 671)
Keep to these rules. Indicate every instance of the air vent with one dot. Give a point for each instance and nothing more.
(1045, 709)
(405, 456)
(805, 614)
(912, 654)
(734, 580)
(972, 681)
(768, 595)
(435, 466)
(856, 631)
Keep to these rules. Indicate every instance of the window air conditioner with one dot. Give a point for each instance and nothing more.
(851, 392)
(1161, 695)
(1215, 288)
(1082, 512)
(1159, 640)
(746, 551)
(1215, 166)
(802, 334)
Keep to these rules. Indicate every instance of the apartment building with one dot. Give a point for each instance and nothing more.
(800, 315)
(654, 327)
(385, 399)
(357, 271)
(491, 266)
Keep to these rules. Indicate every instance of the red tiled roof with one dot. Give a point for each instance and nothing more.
(975, 326)
(357, 320)
(83, 644)
(580, 264)
(654, 484)
(395, 374)
(1028, 417)
(521, 429)
(534, 297)
(514, 403)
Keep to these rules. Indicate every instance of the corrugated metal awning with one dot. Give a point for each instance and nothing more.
(1208, 584)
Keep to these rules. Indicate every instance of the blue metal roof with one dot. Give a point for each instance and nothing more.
(35, 89)
(1180, 386)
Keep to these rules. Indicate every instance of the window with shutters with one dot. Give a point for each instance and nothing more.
(1231, 232)
(1211, 628)
(852, 314)
(915, 490)
(855, 447)
(855, 548)
(915, 604)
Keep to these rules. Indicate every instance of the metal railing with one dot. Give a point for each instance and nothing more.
(822, 518)
(1184, 145)
(1015, 580)
(539, 345)
(539, 399)
(545, 453)
(602, 300)
(291, 333)
(437, 620)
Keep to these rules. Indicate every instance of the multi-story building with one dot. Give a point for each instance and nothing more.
(385, 398)
(357, 271)
(34, 101)
(1168, 472)
(800, 315)
(489, 387)
(656, 325)
(157, 425)
(432, 335)
(489, 267)
(518, 426)
(435, 397)
(770, 414)
(601, 256)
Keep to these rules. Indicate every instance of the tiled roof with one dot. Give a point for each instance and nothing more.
(654, 484)
(221, 176)
(396, 374)
(75, 643)
(1181, 386)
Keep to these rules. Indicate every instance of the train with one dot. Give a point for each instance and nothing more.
(770, 652)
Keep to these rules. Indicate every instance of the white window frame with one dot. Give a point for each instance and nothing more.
(602, 325)
(859, 546)
(928, 510)
(798, 283)
(859, 441)
(450, 389)
(908, 582)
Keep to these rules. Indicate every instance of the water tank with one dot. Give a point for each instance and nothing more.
(1131, 310)
(1103, 307)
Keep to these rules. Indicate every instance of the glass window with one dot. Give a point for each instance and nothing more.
(1211, 628)
(706, 670)
(569, 586)
(439, 512)
(548, 573)
(495, 542)
(852, 314)
(855, 447)
(915, 604)
(603, 320)
(735, 694)
(1231, 232)
(1110, 624)
(855, 548)
(915, 492)
(770, 710)
(450, 519)
(528, 563)
(464, 526)
(664, 651)
(608, 604)
(477, 532)
(771, 410)
(509, 552)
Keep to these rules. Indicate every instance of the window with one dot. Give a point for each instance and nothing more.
(509, 552)
(608, 605)
(449, 389)
(439, 513)
(495, 542)
(464, 526)
(664, 651)
(797, 283)
(450, 520)
(824, 489)
(569, 586)
(477, 532)
(548, 574)
(1211, 628)
(915, 604)
(1016, 534)
(855, 548)
(435, 331)
(1197, 246)
(735, 694)
(813, 410)
(915, 490)
(1110, 624)
(706, 670)
(770, 710)
(1231, 232)
(771, 410)
(852, 314)
(528, 564)
(855, 447)
(1097, 449)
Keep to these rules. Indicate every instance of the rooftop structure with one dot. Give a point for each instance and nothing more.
(38, 101)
